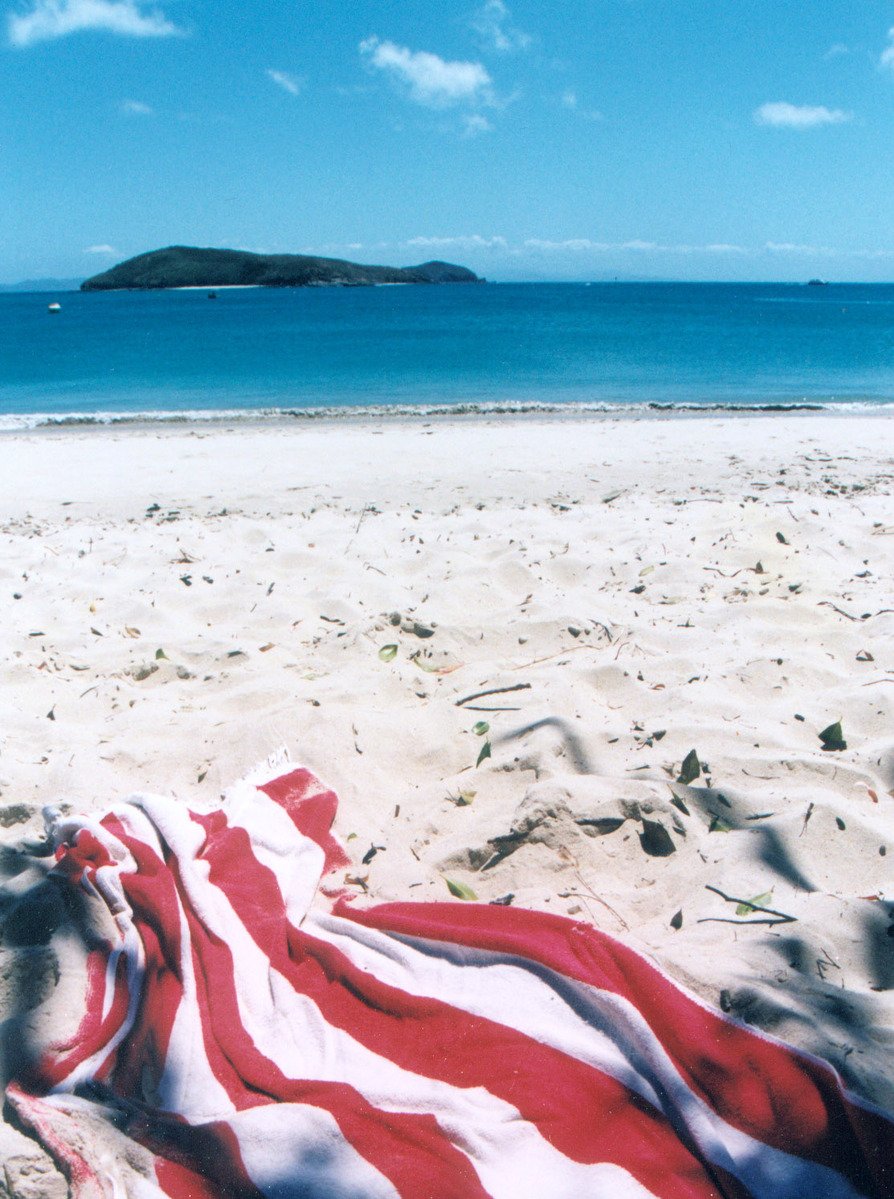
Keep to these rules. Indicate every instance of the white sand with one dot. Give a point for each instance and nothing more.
(609, 565)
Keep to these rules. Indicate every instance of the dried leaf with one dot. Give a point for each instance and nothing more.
(388, 653)
(460, 890)
(691, 768)
(131, 631)
(264, 648)
(745, 909)
(832, 737)
(656, 840)
(463, 799)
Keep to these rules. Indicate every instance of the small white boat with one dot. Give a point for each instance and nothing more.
(54, 307)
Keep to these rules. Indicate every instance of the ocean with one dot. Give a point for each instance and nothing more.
(172, 355)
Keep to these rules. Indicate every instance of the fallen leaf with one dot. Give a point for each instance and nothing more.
(745, 909)
(388, 653)
(485, 753)
(131, 631)
(691, 768)
(460, 890)
(480, 728)
(832, 737)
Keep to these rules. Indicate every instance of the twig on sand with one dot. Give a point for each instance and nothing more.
(572, 649)
(840, 611)
(492, 691)
(479, 708)
(585, 891)
(781, 917)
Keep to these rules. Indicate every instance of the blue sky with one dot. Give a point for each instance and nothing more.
(581, 139)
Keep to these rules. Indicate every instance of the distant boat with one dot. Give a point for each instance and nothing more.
(817, 283)
(54, 307)
(212, 295)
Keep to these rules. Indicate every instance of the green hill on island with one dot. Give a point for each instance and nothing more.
(187, 266)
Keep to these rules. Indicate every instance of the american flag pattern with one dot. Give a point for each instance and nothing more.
(241, 1040)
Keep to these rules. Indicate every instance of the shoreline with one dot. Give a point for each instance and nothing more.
(13, 424)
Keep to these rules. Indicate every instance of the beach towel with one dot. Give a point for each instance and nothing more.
(250, 1032)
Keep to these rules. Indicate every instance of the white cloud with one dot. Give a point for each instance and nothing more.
(49, 19)
(574, 245)
(287, 82)
(137, 108)
(569, 99)
(491, 23)
(473, 241)
(887, 58)
(100, 250)
(781, 115)
(474, 123)
(432, 81)
(788, 247)
(583, 245)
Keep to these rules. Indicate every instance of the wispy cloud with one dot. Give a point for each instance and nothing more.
(469, 241)
(431, 80)
(136, 108)
(475, 124)
(100, 250)
(782, 115)
(584, 245)
(887, 58)
(796, 248)
(492, 25)
(287, 82)
(46, 20)
(569, 99)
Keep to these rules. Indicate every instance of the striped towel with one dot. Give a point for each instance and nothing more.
(240, 1042)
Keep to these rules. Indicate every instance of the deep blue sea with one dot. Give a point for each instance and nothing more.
(496, 346)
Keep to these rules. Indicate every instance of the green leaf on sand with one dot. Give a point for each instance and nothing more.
(745, 909)
(388, 653)
(460, 890)
(832, 737)
(485, 753)
(691, 768)
(464, 798)
(480, 728)
(719, 825)
(160, 653)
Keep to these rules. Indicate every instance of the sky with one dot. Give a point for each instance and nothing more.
(579, 139)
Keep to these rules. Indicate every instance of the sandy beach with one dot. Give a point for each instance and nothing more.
(605, 595)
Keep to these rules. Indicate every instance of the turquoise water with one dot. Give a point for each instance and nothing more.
(497, 345)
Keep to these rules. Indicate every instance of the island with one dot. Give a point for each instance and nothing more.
(188, 266)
